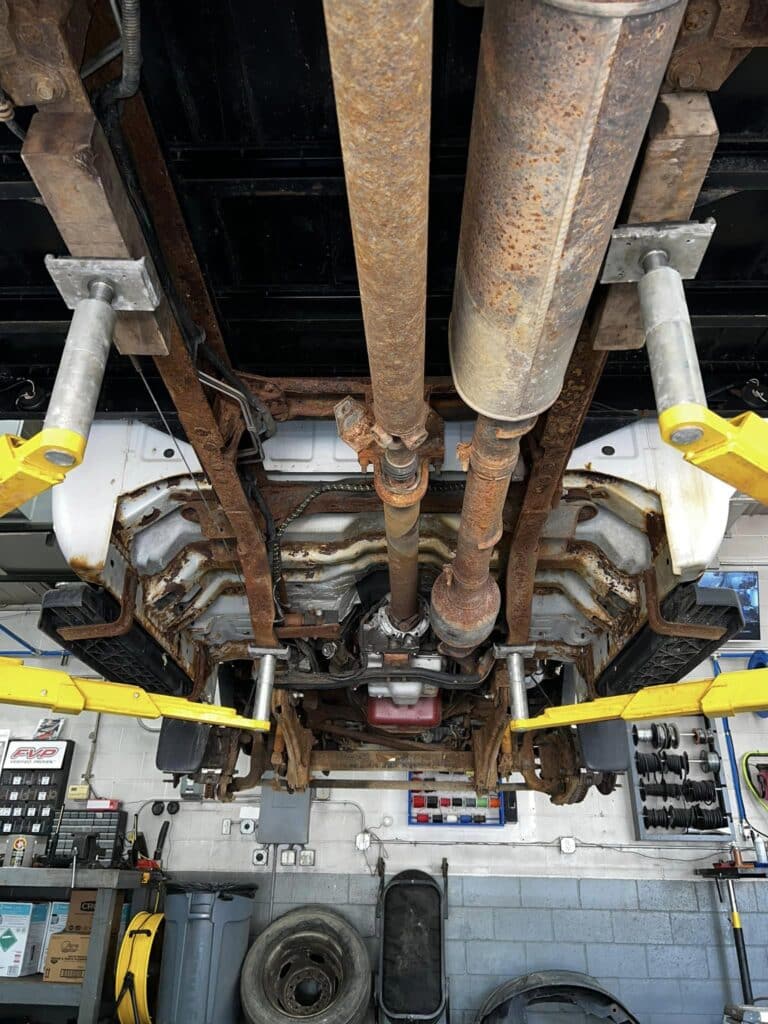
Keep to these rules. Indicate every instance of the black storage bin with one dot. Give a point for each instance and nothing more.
(411, 983)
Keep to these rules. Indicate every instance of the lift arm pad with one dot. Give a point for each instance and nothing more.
(728, 694)
(735, 451)
(24, 470)
(59, 691)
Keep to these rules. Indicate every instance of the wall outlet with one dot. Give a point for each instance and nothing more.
(306, 858)
(78, 792)
(288, 858)
(226, 827)
(322, 793)
(567, 844)
(260, 858)
(247, 827)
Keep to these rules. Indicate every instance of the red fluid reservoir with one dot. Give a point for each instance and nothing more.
(426, 712)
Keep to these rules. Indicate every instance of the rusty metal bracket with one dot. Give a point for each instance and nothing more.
(664, 627)
(106, 630)
(296, 743)
(41, 51)
(487, 740)
(716, 35)
(556, 439)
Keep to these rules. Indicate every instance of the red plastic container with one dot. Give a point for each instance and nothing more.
(425, 713)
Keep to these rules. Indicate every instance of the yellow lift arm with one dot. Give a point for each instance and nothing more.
(728, 694)
(25, 471)
(59, 691)
(735, 451)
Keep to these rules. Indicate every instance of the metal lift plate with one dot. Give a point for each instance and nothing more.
(134, 281)
(684, 244)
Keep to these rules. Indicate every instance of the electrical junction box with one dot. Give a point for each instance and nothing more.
(22, 934)
(78, 792)
(283, 817)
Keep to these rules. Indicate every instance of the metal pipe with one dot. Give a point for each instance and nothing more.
(265, 681)
(381, 59)
(565, 89)
(564, 92)
(130, 32)
(741, 946)
(671, 349)
(72, 404)
(518, 694)
(402, 528)
(465, 599)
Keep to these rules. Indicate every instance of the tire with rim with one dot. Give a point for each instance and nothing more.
(309, 964)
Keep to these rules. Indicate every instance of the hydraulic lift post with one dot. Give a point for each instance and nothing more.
(658, 257)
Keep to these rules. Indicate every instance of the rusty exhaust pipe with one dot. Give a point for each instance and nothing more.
(564, 92)
(381, 60)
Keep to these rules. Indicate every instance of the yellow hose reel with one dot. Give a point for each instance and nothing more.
(132, 978)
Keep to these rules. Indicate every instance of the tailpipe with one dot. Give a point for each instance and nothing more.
(381, 60)
(564, 92)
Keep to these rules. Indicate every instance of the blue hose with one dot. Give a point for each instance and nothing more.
(732, 756)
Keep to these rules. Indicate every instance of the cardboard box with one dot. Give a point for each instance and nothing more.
(22, 933)
(82, 905)
(57, 922)
(67, 957)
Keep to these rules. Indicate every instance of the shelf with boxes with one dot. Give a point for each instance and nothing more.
(55, 951)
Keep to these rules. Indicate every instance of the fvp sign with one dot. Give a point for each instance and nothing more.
(35, 754)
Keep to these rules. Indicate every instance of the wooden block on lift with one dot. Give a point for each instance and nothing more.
(681, 140)
(70, 161)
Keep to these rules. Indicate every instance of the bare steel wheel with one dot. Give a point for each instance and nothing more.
(309, 965)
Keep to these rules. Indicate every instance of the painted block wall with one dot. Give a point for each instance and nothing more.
(662, 947)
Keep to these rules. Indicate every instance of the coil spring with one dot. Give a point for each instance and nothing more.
(681, 817)
(703, 790)
(655, 817)
(641, 735)
(702, 736)
(677, 764)
(710, 818)
(648, 764)
(702, 818)
(710, 761)
(661, 735)
(666, 790)
(665, 735)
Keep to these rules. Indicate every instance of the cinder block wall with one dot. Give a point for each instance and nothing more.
(663, 947)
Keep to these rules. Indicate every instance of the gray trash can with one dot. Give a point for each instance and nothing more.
(206, 938)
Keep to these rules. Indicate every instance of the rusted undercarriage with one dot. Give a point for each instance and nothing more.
(384, 587)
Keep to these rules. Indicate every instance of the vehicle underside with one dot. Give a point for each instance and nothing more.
(381, 465)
